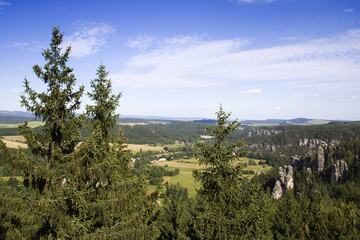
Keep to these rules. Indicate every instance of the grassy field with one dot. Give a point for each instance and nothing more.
(7, 178)
(142, 123)
(144, 147)
(14, 141)
(32, 124)
(186, 167)
(185, 179)
(317, 122)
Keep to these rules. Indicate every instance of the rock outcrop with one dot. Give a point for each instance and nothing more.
(320, 162)
(277, 190)
(285, 181)
(339, 169)
(264, 131)
(325, 155)
(311, 143)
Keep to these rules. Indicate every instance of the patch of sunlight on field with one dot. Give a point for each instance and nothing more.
(31, 124)
(14, 144)
(186, 167)
(177, 164)
(7, 178)
(185, 179)
(144, 147)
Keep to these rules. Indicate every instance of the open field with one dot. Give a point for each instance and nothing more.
(14, 141)
(32, 124)
(185, 179)
(7, 178)
(206, 136)
(187, 166)
(15, 138)
(317, 122)
(142, 123)
(177, 164)
(144, 147)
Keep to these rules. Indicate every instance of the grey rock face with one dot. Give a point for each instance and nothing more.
(339, 169)
(311, 143)
(264, 131)
(321, 157)
(285, 181)
(277, 191)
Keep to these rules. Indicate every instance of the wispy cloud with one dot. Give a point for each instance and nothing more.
(18, 45)
(349, 10)
(329, 63)
(277, 108)
(252, 91)
(141, 43)
(33, 46)
(88, 39)
(3, 4)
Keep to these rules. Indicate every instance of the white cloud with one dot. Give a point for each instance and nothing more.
(3, 3)
(194, 62)
(277, 108)
(18, 45)
(88, 39)
(141, 42)
(349, 10)
(252, 91)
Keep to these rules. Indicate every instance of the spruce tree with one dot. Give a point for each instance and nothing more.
(228, 207)
(46, 212)
(107, 200)
(74, 190)
(56, 107)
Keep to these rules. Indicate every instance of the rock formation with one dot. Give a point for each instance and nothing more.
(264, 131)
(320, 163)
(325, 155)
(339, 169)
(277, 190)
(285, 181)
(311, 143)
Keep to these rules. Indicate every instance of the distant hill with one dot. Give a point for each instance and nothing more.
(20, 116)
(15, 117)
(295, 121)
(4, 113)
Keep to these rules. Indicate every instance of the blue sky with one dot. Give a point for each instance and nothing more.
(260, 59)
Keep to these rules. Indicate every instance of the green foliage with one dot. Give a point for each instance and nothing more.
(174, 218)
(73, 191)
(228, 207)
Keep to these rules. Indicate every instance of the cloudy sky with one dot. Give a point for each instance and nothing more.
(260, 59)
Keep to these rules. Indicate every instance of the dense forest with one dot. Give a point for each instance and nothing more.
(77, 181)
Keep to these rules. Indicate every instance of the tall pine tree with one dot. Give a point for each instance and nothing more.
(56, 107)
(228, 207)
(108, 201)
(74, 190)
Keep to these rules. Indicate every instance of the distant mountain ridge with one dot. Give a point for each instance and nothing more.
(23, 116)
(16, 114)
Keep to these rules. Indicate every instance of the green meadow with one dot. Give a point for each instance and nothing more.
(187, 166)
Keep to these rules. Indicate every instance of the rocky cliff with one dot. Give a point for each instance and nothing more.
(264, 131)
(323, 158)
(285, 181)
